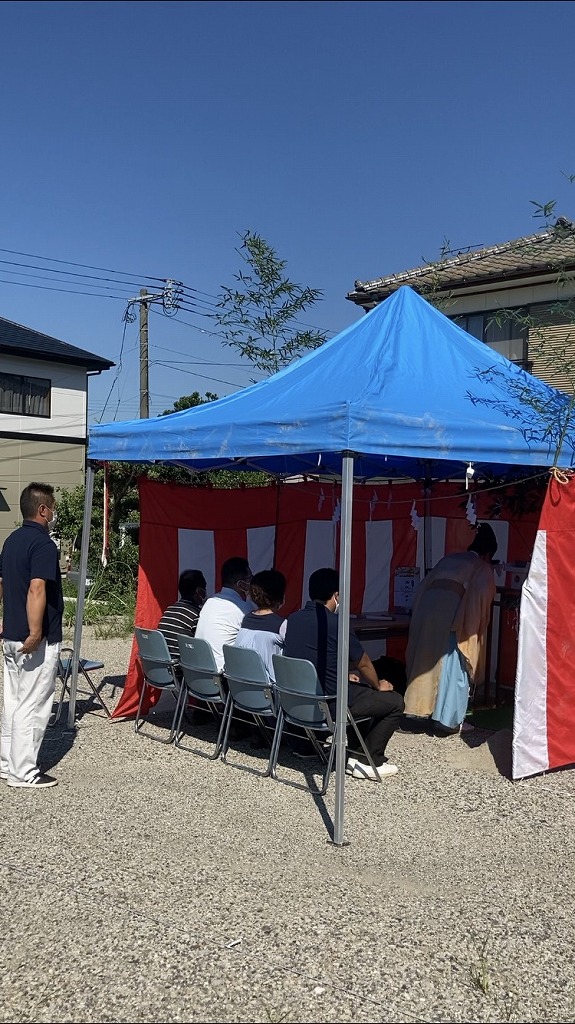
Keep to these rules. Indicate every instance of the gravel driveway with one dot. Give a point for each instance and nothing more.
(152, 885)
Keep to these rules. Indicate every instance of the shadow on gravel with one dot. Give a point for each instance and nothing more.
(57, 742)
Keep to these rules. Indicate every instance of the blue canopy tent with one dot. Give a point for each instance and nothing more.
(402, 392)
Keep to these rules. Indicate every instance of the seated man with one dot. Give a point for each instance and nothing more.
(181, 618)
(222, 615)
(312, 634)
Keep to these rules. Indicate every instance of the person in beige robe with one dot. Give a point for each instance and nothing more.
(447, 635)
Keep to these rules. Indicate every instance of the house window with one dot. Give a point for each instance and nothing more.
(24, 396)
(504, 333)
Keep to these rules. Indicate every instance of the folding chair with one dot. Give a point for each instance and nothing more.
(159, 674)
(201, 680)
(303, 703)
(63, 675)
(251, 693)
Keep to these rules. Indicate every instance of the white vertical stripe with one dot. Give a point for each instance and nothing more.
(530, 750)
(319, 550)
(261, 540)
(378, 552)
(197, 550)
(437, 525)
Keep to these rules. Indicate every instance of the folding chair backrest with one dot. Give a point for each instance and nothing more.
(247, 679)
(299, 692)
(199, 668)
(154, 656)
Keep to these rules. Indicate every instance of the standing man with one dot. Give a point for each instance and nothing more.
(31, 588)
(222, 615)
(312, 634)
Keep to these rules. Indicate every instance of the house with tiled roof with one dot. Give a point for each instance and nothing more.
(517, 297)
(43, 413)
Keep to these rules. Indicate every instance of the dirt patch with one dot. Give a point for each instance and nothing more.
(492, 755)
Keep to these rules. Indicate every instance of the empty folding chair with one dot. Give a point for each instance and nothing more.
(201, 680)
(159, 674)
(302, 703)
(251, 694)
(64, 672)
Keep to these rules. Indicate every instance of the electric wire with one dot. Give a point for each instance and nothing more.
(85, 266)
(118, 371)
(68, 291)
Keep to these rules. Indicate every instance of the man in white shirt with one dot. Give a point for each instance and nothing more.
(222, 615)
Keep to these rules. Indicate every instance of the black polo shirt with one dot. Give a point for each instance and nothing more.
(312, 634)
(30, 554)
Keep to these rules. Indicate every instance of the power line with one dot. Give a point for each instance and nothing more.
(56, 280)
(203, 376)
(68, 273)
(67, 291)
(118, 371)
(85, 266)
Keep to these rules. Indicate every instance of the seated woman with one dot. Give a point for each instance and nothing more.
(263, 630)
(447, 635)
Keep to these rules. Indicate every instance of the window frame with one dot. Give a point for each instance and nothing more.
(24, 381)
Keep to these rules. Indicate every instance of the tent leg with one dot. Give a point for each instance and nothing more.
(427, 522)
(343, 643)
(83, 570)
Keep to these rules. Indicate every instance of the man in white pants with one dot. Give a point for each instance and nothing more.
(31, 589)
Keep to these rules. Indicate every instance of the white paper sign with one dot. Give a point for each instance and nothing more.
(406, 580)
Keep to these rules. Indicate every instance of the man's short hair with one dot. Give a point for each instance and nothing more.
(33, 496)
(188, 583)
(234, 570)
(323, 584)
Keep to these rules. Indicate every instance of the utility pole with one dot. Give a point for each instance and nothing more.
(144, 362)
(170, 298)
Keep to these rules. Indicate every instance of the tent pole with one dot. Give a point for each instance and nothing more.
(343, 643)
(427, 522)
(83, 570)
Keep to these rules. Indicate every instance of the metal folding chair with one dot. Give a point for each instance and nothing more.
(302, 703)
(85, 666)
(251, 694)
(202, 681)
(159, 674)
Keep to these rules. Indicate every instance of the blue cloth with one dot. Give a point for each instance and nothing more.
(261, 633)
(453, 690)
(402, 383)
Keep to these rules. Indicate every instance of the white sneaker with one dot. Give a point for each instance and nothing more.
(359, 770)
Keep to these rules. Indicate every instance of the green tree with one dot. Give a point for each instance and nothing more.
(190, 402)
(258, 314)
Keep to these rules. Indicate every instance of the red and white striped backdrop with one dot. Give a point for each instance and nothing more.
(295, 527)
(543, 733)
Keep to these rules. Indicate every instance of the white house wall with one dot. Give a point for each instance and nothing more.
(68, 399)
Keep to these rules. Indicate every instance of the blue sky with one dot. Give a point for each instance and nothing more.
(354, 137)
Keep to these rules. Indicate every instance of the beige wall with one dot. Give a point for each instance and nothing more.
(22, 462)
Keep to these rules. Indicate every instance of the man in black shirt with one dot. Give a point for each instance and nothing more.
(312, 634)
(181, 618)
(31, 588)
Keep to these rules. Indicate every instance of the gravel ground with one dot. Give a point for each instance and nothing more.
(152, 885)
